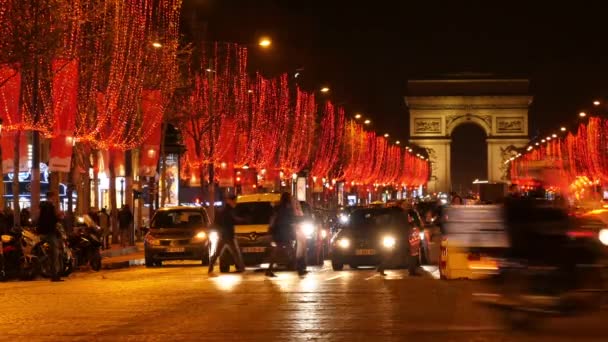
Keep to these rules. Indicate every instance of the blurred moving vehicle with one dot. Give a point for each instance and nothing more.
(555, 264)
(370, 235)
(178, 233)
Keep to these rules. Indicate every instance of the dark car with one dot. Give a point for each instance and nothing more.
(369, 234)
(313, 235)
(177, 233)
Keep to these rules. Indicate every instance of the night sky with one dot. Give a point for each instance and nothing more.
(365, 51)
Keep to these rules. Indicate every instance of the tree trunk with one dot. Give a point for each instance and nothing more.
(211, 210)
(1, 186)
(35, 182)
(128, 195)
(54, 187)
(113, 206)
(16, 180)
(163, 165)
(96, 201)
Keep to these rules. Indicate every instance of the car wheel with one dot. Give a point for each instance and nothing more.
(149, 262)
(337, 266)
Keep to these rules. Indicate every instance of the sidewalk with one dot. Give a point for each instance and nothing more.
(122, 257)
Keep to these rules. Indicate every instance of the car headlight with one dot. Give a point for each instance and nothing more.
(344, 243)
(323, 233)
(152, 241)
(308, 229)
(603, 236)
(389, 242)
(343, 219)
(201, 235)
(214, 237)
(6, 238)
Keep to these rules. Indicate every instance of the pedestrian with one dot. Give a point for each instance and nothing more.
(47, 228)
(9, 214)
(125, 222)
(225, 222)
(104, 224)
(25, 217)
(282, 229)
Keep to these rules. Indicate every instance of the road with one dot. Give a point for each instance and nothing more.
(181, 302)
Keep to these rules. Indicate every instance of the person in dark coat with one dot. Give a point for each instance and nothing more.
(125, 224)
(227, 240)
(282, 230)
(47, 228)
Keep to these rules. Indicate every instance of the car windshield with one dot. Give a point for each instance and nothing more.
(254, 213)
(376, 219)
(179, 219)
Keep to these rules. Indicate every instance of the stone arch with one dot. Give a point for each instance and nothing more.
(437, 107)
(452, 122)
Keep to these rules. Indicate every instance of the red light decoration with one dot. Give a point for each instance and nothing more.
(329, 142)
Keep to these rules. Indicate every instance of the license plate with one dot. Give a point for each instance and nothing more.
(176, 250)
(254, 249)
(365, 252)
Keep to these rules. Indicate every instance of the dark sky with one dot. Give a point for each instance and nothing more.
(367, 50)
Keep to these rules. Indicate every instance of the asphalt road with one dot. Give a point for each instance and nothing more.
(181, 302)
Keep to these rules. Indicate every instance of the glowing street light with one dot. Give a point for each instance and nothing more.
(367, 122)
(265, 42)
(563, 129)
(554, 135)
(325, 90)
(398, 142)
(386, 135)
(357, 116)
(582, 114)
(596, 103)
(250, 91)
(157, 45)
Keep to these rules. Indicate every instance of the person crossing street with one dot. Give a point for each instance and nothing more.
(227, 240)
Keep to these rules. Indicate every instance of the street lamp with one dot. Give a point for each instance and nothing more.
(157, 45)
(596, 103)
(265, 42)
(398, 142)
(386, 135)
(357, 116)
(367, 122)
(325, 90)
(563, 129)
(582, 114)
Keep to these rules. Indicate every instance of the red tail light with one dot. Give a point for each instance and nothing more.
(581, 234)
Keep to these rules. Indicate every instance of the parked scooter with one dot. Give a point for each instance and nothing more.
(16, 257)
(85, 243)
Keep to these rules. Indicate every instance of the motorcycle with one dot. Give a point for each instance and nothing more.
(528, 293)
(16, 257)
(66, 259)
(86, 243)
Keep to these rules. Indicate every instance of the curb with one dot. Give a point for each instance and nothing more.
(122, 251)
(113, 265)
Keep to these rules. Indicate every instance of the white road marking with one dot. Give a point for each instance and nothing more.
(334, 277)
(374, 276)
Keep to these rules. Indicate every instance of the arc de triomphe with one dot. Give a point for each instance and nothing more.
(498, 106)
